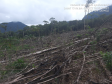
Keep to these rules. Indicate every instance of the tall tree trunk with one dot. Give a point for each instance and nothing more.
(84, 20)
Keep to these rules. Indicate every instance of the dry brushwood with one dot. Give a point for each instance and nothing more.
(64, 64)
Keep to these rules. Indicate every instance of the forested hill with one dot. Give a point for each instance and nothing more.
(96, 14)
(53, 27)
(11, 26)
(18, 29)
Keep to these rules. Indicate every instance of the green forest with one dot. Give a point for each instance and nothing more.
(55, 27)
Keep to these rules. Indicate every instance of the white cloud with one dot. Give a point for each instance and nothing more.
(7, 16)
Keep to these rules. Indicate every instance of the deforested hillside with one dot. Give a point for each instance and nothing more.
(75, 57)
(61, 50)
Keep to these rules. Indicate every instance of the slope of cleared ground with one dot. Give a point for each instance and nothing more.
(69, 58)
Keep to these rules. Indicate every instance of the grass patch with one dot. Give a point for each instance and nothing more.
(13, 68)
(17, 65)
(108, 59)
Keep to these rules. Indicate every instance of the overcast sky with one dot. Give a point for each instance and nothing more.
(36, 11)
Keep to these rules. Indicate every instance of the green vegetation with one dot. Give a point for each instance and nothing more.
(33, 66)
(1, 54)
(10, 46)
(101, 33)
(56, 27)
(93, 42)
(17, 65)
(8, 43)
(90, 30)
(87, 34)
(3, 73)
(13, 67)
(13, 42)
(79, 36)
(108, 59)
(71, 43)
(26, 47)
(84, 52)
(98, 38)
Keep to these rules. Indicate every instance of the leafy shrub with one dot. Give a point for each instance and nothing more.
(19, 64)
(87, 34)
(79, 36)
(90, 30)
(104, 31)
(108, 60)
(15, 66)
(2, 73)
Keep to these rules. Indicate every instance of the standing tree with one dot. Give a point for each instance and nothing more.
(4, 26)
(45, 22)
(87, 8)
(52, 20)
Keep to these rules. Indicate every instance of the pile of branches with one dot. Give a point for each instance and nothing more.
(69, 64)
